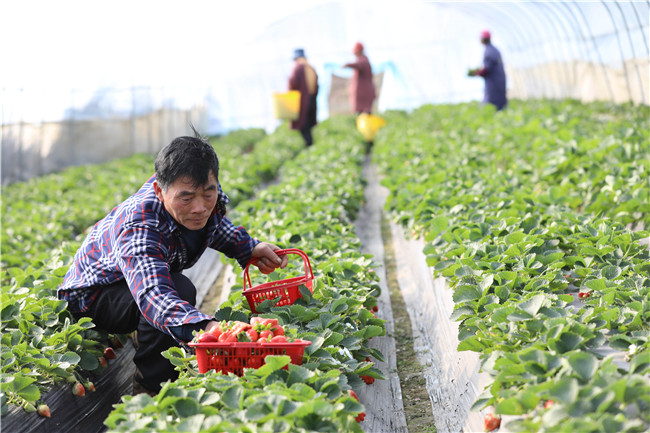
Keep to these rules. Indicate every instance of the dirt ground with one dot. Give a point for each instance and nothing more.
(417, 406)
(213, 297)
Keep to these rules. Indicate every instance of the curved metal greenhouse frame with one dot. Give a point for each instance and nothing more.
(553, 48)
(583, 50)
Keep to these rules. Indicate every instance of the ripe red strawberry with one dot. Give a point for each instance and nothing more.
(252, 334)
(264, 335)
(109, 353)
(116, 343)
(368, 379)
(216, 331)
(103, 362)
(272, 323)
(227, 337)
(44, 410)
(78, 389)
(491, 422)
(208, 337)
(362, 415)
(375, 308)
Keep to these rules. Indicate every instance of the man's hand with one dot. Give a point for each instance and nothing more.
(211, 325)
(268, 261)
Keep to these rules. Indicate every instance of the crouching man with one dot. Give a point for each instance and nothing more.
(126, 275)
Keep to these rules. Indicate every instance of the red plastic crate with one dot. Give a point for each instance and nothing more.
(288, 289)
(234, 357)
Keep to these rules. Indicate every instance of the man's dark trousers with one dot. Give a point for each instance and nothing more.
(114, 310)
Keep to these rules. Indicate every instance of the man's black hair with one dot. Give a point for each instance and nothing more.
(186, 156)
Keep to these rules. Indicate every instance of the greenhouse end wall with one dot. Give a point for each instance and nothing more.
(583, 81)
(34, 149)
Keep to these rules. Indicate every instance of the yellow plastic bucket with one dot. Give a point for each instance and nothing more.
(286, 106)
(369, 124)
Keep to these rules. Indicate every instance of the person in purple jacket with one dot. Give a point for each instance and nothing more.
(362, 89)
(126, 275)
(493, 73)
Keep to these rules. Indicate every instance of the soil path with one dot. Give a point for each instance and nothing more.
(452, 378)
(382, 399)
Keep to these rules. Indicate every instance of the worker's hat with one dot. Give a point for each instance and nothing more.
(297, 53)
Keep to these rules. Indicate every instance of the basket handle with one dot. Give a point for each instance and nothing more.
(281, 252)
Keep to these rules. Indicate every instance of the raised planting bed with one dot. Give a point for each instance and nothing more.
(526, 214)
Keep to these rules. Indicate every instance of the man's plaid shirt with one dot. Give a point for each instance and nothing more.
(139, 241)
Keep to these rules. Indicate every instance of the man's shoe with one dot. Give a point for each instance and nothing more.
(134, 338)
(139, 389)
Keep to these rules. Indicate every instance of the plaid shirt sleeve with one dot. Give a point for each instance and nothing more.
(140, 255)
(234, 242)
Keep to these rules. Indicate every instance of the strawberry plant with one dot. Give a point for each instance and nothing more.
(38, 334)
(266, 399)
(529, 215)
(312, 208)
(63, 205)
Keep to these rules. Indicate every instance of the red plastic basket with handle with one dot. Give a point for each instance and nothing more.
(234, 357)
(288, 289)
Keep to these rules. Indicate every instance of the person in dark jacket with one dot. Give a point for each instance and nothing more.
(362, 89)
(493, 73)
(304, 79)
(126, 275)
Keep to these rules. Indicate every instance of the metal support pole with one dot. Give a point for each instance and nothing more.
(21, 140)
(133, 118)
(75, 160)
(554, 21)
(638, 20)
(600, 59)
(638, 74)
(620, 49)
(525, 8)
(578, 30)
